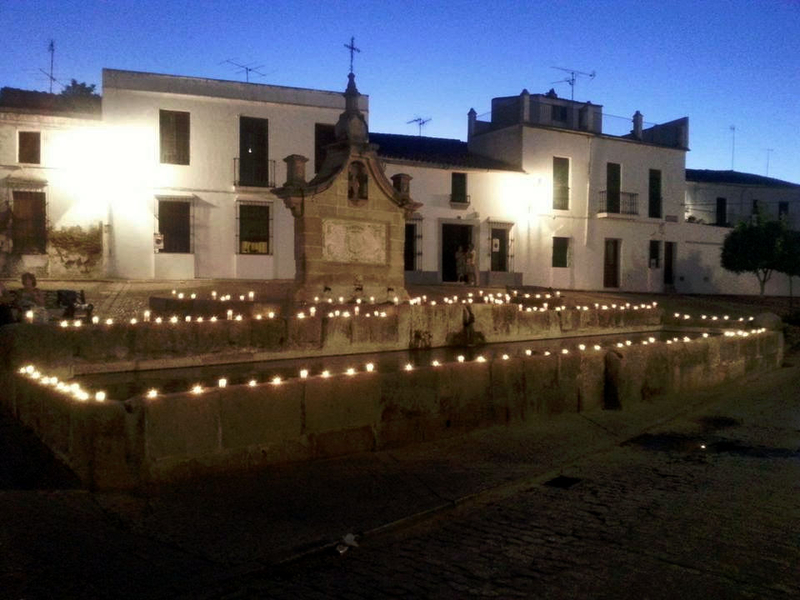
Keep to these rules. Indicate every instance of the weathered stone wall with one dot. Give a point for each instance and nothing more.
(115, 444)
(126, 347)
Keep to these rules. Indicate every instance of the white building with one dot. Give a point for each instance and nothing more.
(548, 199)
(194, 161)
(49, 147)
(724, 198)
(181, 172)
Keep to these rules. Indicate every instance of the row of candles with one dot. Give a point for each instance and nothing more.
(78, 393)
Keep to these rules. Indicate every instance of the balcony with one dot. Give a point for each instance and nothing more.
(459, 200)
(249, 172)
(618, 203)
(560, 197)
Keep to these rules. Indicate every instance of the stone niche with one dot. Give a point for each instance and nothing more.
(349, 220)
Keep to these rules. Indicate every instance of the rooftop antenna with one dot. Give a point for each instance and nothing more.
(769, 151)
(573, 78)
(51, 48)
(733, 145)
(246, 69)
(420, 123)
(352, 47)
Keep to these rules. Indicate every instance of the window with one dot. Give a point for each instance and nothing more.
(324, 135)
(29, 224)
(613, 185)
(655, 254)
(29, 147)
(783, 210)
(722, 212)
(558, 113)
(654, 204)
(412, 250)
(560, 183)
(560, 252)
(255, 227)
(458, 188)
(175, 224)
(254, 152)
(174, 135)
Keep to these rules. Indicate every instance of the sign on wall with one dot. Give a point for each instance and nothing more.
(354, 242)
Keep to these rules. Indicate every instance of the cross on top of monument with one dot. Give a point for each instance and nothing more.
(352, 47)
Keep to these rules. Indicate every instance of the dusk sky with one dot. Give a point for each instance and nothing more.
(720, 63)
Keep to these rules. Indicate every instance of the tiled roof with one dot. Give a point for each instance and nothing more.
(436, 151)
(735, 177)
(48, 103)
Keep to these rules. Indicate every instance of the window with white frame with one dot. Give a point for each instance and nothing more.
(560, 252)
(29, 147)
(175, 225)
(254, 227)
(29, 222)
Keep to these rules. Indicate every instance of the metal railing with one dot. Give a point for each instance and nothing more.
(621, 203)
(252, 173)
(560, 197)
(460, 199)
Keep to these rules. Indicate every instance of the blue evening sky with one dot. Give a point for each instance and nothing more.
(720, 62)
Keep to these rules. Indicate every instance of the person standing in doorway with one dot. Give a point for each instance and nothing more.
(472, 266)
(461, 265)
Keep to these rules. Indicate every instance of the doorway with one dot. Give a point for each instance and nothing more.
(410, 248)
(499, 249)
(611, 264)
(669, 263)
(453, 236)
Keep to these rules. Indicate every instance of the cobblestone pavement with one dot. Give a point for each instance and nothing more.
(703, 507)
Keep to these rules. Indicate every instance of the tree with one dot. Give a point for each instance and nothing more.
(789, 259)
(77, 89)
(754, 247)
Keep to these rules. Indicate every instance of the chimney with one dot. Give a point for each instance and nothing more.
(637, 125)
(295, 170)
(472, 116)
(524, 105)
(402, 183)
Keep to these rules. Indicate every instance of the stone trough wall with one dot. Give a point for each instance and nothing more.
(121, 347)
(146, 440)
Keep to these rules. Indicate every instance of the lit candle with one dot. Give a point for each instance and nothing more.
(222, 382)
(100, 396)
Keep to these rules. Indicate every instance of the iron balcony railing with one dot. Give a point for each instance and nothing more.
(621, 203)
(460, 199)
(253, 173)
(560, 197)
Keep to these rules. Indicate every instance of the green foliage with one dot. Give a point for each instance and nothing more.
(789, 257)
(754, 247)
(75, 240)
(77, 89)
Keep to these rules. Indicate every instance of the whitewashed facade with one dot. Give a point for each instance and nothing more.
(201, 188)
(180, 172)
(48, 153)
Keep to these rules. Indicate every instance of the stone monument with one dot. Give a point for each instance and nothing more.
(350, 219)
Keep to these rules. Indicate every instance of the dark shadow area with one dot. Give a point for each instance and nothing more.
(717, 422)
(26, 463)
(562, 482)
(676, 442)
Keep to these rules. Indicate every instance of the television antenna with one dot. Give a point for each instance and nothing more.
(51, 48)
(573, 78)
(246, 69)
(420, 123)
(769, 151)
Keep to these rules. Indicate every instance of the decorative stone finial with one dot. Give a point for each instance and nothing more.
(352, 127)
